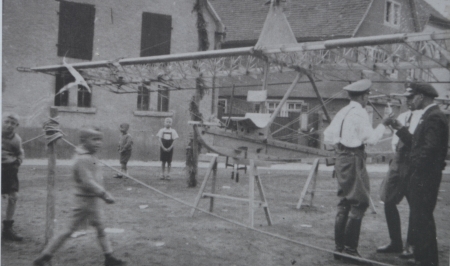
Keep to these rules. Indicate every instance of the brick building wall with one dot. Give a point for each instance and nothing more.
(30, 38)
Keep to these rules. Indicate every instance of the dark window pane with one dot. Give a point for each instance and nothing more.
(62, 99)
(143, 99)
(84, 97)
(163, 99)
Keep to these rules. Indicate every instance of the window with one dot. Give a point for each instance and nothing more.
(62, 99)
(84, 97)
(223, 104)
(143, 99)
(163, 99)
(392, 14)
(155, 34)
(76, 30)
(290, 106)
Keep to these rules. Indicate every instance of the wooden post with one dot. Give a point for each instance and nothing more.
(50, 208)
(212, 163)
(251, 192)
(213, 186)
(312, 174)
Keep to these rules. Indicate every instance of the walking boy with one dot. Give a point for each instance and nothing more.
(166, 137)
(88, 177)
(125, 147)
(12, 157)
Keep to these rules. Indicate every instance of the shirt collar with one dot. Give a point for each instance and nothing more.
(355, 104)
(81, 150)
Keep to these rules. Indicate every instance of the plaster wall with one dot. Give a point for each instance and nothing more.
(30, 36)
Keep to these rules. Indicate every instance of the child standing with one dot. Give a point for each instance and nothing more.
(166, 137)
(88, 177)
(12, 157)
(125, 147)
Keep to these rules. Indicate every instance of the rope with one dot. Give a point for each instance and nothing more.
(52, 130)
(234, 222)
(33, 139)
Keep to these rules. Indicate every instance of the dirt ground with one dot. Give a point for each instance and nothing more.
(159, 231)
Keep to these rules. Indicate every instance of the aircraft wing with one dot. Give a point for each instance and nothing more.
(337, 60)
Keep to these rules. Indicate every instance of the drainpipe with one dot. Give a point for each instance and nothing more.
(415, 15)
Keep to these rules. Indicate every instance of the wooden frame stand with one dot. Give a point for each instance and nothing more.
(253, 179)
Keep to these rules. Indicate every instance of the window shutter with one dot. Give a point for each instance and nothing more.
(76, 30)
(156, 34)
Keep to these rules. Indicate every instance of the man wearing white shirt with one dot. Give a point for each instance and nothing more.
(349, 131)
(394, 186)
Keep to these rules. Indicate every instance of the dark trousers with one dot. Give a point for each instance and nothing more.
(424, 189)
(394, 224)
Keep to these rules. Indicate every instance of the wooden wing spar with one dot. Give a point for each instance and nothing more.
(337, 60)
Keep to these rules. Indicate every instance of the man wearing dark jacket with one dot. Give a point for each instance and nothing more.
(429, 145)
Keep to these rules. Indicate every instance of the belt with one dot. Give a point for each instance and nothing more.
(343, 147)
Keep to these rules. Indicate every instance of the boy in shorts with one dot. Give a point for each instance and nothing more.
(125, 147)
(12, 157)
(89, 191)
(166, 137)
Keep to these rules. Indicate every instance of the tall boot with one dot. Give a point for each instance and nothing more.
(339, 233)
(394, 228)
(110, 260)
(352, 231)
(8, 232)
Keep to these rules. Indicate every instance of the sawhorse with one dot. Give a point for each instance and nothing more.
(312, 176)
(253, 178)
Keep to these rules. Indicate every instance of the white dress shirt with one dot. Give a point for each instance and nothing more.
(412, 125)
(351, 127)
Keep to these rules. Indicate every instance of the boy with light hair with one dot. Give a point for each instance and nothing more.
(88, 177)
(166, 136)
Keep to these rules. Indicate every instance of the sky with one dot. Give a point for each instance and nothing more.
(443, 6)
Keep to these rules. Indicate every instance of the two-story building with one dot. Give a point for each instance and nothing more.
(317, 20)
(40, 33)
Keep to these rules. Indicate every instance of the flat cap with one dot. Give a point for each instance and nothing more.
(408, 92)
(90, 131)
(424, 88)
(359, 86)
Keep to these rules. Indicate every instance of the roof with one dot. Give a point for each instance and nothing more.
(428, 13)
(315, 19)
(279, 84)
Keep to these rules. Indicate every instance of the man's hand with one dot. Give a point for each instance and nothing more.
(108, 198)
(387, 121)
(395, 124)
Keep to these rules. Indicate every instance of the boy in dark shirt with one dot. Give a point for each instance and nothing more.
(12, 157)
(125, 147)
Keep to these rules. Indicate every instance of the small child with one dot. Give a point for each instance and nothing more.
(12, 157)
(125, 147)
(88, 177)
(166, 137)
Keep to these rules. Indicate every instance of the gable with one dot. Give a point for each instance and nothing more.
(427, 13)
(310, 20)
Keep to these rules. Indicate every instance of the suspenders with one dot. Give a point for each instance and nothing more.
(342, 124)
